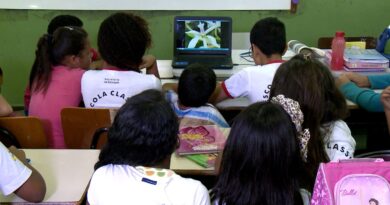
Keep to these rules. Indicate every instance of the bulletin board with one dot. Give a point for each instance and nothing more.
(146, 4)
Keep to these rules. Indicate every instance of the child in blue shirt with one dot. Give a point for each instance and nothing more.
(196, 85)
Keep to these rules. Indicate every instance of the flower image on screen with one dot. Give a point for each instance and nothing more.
(203, 34)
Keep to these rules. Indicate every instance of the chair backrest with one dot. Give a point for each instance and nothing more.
(80, 124)
(8, 139)
(384, 154)
(326, 42)
(99, 138)
(28, 131)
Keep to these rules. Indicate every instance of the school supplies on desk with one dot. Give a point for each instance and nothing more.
(300, 48)
(365, 58)
(200, 139)
(204, 160)
(362, 60)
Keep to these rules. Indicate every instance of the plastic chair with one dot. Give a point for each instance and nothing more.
(8, 139)
(28, 131)
(326, 42)
(80, 124)
(97, 141)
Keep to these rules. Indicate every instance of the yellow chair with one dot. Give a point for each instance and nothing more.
(28, 131)
(80, 124)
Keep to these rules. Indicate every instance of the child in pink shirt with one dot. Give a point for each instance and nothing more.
(55, 78)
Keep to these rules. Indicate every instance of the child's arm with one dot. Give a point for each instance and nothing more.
(34, 189)
(5, 107)
(149, 62)
(218, 95)
(170, 86)
(385, 98)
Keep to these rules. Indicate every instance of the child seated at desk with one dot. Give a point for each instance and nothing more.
(55, 78)
(19, 177)
(133, 166)
(122, 40)
(196, 85)
(261, 162)
(268, 43)
(311, 84)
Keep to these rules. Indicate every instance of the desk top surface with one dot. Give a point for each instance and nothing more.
(67, 172)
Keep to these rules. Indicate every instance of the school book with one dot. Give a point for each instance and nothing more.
(204, 160)
(364, 58)
(200, 139)
(353, 63)
(300, 48)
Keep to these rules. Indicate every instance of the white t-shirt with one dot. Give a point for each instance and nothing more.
(13, 173)
(123, 184)
(253, 82)
(340, 144)
(111, 88)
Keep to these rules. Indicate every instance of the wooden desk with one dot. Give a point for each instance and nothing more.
(66, 173)
(184, 166)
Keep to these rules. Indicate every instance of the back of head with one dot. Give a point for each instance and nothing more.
(123, 39)
(63, 20)
(261, 159)
(144, 132)
(310, 82)
(269, 35)
(196, 85)
(52, 49)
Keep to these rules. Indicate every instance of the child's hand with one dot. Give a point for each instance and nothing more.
(341, 80)
(360, 80)
(148, 61)
(385, 98)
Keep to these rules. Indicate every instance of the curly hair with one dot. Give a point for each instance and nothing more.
(123, 39)
(144, 132)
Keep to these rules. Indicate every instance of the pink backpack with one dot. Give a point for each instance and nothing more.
(353, 182)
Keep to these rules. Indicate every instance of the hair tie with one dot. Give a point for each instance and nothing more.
(294, 111)
(69, 28)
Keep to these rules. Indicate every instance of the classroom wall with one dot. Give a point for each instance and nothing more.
(20, 30)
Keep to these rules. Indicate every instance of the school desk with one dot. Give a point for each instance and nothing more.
(66, 172)
(169, 75)
(184, 166)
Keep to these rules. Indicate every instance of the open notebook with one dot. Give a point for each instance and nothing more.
(205, 40)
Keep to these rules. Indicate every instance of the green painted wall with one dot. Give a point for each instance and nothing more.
(20, 30)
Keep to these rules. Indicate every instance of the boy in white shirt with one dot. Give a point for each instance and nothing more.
(268, 43)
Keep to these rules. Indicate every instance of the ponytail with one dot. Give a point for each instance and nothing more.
(41, 69)
(51, 50)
